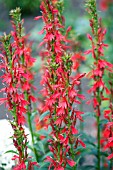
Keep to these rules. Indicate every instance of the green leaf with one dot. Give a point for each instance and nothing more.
(104, 154)
(33, 114)
(40, 147)
(44, 115)
(43, 164)
(77, 162)
(11, 151)
(47, 154)
(84, 152)
(91, 144)
(30, 147)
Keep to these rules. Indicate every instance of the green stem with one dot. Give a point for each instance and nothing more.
(73, 156)
(111, 164)
(74, 167)
(32, 135)
(98, 139)
(81, 123)
(81, 105)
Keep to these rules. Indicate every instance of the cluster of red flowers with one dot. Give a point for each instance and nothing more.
(104, 4)
(100, 67)
(17, 77)
(59, 89)
(108, 128)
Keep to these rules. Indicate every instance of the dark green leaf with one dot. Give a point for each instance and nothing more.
(40, 147)
(44, 115)
(11, 151)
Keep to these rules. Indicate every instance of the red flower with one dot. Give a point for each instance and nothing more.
(20, 166)
(104, 4)
(110, 156)
(2, 100)
(74, 130)
(71, 162)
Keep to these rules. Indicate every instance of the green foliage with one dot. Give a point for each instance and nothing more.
(27, 6)
(40, 147)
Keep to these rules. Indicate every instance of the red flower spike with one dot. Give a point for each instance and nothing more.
(17, 76)
(59, 86)
(100, 66)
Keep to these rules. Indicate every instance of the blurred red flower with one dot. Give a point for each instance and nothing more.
(104, 4)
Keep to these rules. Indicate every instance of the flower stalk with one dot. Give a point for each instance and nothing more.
(17, 77)
(108, 129)
(27, 62)
(100, 66)
(19, 137)
(59, 88)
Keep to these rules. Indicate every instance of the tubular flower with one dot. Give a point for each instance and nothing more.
(16, 64)
(60, 91)
(100, 65)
